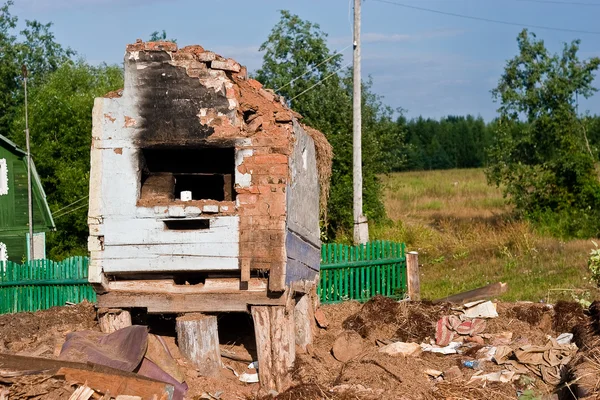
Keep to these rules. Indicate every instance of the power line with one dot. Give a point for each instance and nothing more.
(70, 211)
(335, 54)
(495, 21)
(321, 81)
(75, 202)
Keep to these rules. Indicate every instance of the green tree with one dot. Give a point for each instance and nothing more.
(60, 122)
(34, 47)
(157, 36)
(298, 64)
(540, 156)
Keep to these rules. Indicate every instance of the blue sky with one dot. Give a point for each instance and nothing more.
(428, 64)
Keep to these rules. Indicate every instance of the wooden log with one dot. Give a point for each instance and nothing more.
(113, 319)
(414, 282)
(482, 293)
(198, 339)
(304, 318)
(275, 345)
(167, 303)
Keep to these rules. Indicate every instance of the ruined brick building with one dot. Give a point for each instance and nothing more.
(205, 190)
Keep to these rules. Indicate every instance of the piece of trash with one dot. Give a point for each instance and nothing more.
(232, 370)
(253, 365)
(499, 339)
(503, 376)
(434, 373)
(487, 309)
(448, 326)
(452, 348)
(486, 353)
(401, 348)
(248, 378)
(473, 364)
(564, 338)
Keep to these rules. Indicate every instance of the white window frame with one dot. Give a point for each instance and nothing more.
(3, 177)
(3, 253)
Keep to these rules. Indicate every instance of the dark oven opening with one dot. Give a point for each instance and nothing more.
(207, 172)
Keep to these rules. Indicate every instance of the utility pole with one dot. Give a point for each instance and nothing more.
(361, 227)
(29, 194)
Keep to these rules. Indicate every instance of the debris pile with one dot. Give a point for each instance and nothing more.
(381, 349)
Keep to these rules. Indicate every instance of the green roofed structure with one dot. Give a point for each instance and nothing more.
(14, 220)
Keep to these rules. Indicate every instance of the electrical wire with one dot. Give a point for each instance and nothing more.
(495, 21)
(572, 3)
(70, 211)
(321, 81)
(337, 53)
(75, 202)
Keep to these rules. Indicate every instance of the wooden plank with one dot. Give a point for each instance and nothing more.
(199, 249)
(220, 285)
(182, 303)
(482, 293)
(170, 263)
(262, 332)
(275, 346)
(198, 340)
(277, 274)
(118, 384)
(300, 249)
(414, 282)
(245, 275)
(223, 229)
(304, 319)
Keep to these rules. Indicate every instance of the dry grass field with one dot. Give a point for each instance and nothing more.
(466, 238)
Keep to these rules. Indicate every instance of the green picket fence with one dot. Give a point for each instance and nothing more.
(41, 284)
(361, 272)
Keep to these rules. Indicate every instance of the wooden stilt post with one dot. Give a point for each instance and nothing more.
(198, 339)
(304, 318)
(275, 345)
(113, 319)
(414, 283)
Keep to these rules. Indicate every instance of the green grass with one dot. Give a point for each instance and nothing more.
(467, 237)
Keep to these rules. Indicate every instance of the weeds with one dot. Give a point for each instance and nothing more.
(467, 236)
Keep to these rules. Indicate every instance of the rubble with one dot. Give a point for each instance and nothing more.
(370, 373)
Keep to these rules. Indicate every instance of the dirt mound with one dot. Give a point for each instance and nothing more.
(43, 331)
(368, 375)
(567, 315)
(384, 318)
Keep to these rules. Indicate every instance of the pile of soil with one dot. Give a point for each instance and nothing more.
(317, 374)
(42, 333)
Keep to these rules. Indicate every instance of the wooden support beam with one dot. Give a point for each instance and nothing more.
(245, 276)
(188, 303)
(113, 319)
(198, 339)
(414, 281)
(304, 318)
(275, 345)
